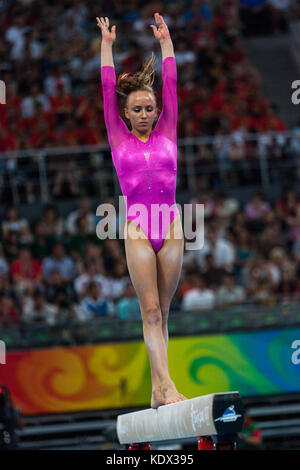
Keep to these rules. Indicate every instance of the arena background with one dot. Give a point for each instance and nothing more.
(69, 316)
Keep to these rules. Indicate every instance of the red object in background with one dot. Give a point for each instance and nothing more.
(38, 139)
(35, 271)
(71, 137)
(61, 103)
(92, 136)
(8, 142)
(13, 317)
(140, 446)
(205, 443)
(31, 123)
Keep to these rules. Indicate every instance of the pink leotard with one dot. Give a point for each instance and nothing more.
(147, 171)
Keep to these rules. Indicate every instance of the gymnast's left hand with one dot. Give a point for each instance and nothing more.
(161, 32)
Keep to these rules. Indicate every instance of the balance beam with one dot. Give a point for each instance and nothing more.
(207, 415)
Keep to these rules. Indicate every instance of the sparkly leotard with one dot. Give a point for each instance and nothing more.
(147, 171)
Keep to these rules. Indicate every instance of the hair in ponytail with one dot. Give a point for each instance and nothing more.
(142, 80)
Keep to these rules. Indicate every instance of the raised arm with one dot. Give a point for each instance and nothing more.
(167, 122)
(116, 128)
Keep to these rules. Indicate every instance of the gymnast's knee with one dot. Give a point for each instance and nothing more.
(152, 316)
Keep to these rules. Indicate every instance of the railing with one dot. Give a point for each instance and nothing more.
(262, 160)
(237, 318)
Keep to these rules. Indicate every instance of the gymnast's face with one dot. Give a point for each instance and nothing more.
(141, 110)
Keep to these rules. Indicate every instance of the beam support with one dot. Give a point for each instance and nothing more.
(217, 414)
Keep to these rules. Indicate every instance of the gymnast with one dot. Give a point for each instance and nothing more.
(146, 165)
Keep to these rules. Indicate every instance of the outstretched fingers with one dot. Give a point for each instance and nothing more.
(159, 19)
(103, 22)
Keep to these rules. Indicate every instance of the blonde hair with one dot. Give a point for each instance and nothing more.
(140, 81)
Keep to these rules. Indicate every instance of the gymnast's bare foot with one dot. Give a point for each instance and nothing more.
(164, 395)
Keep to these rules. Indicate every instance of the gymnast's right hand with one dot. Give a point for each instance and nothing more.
(107, 36)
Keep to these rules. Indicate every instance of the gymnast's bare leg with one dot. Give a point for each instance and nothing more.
(155, 278)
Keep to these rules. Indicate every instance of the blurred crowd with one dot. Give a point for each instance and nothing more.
(57, 270)
(50, 62)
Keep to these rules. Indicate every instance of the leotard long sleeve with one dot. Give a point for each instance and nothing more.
(147, 171)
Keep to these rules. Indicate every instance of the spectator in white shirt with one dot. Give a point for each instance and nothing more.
(13, 222)
(222, 250)
(229, 293)
(57, 76)
(183, 54)
(91, 274)
(36, 309)
(199, 297)
(15, 35)
(28, 103)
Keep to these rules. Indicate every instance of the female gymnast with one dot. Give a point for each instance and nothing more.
(146, 165)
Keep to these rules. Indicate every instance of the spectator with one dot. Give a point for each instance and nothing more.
(94, 304)
(128, 307)
(83, 209)
(257, 208)
(213, 275)
(15, 35)
(287, 206)
(188, 281)
(4, 266)
(37, 310)
(13, 222)
(26, 272)
(199, 297)
(251, 436)
(52, 222)
(270, 237)
(56, 284)
(244, 250)
(119, 280)
(60, 261)
(81, 238)
(221, 249)
(35, 96)
(288, 286)
(295, 144)
(9, 314)
(229, 293)
(90, 274)
(278, 263)
(42, 243)
(12, 245)
(257, 271)
(225, 208)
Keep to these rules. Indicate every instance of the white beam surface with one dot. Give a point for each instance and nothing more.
(182, 419)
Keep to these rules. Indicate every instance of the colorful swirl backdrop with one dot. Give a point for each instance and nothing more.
(118, 375)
